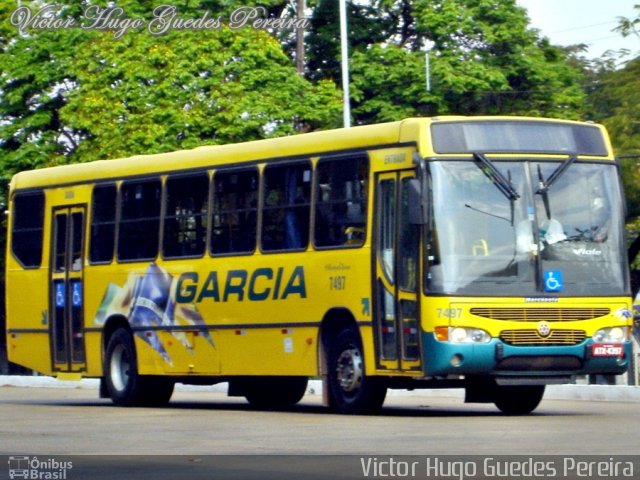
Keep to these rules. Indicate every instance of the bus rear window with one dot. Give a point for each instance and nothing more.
(27, 233)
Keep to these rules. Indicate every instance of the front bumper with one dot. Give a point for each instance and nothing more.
(497, 358)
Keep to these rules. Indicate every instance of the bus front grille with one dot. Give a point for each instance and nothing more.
(533, 338)
(540, 314)
(562, 363)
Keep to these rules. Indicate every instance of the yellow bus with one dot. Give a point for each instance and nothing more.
(485, 253)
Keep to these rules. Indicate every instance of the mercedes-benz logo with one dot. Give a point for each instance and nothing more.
(544, 329)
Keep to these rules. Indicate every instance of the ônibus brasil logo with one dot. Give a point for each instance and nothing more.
(37, 469)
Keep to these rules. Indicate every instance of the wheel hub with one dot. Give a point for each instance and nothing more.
(120, 367)
(349, 370)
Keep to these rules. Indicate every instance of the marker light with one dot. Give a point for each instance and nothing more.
(462, 335)
(442, 333)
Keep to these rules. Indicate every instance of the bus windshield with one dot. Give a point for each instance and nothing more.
(562, 238)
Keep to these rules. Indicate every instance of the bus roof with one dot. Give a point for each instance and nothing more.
(210, 156)
(408, 131)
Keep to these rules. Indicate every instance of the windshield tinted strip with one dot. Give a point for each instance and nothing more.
(511, 137)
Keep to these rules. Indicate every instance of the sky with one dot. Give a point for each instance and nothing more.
(568, 22)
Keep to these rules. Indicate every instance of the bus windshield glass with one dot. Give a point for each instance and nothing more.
(565, 239)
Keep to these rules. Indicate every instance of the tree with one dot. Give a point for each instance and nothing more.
(615, 101)
(484, 59)
(70, 95)
(139, 95)
(367, 24)
(630, 26)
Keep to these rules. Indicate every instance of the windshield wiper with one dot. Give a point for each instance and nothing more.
(488, 213)
(546, 185)
(498, 179)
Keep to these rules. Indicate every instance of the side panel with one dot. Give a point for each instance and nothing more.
(256, 314)
(252, 315)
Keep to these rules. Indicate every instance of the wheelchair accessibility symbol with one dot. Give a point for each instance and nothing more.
(60, 294)
(76, 297)
(553, 281)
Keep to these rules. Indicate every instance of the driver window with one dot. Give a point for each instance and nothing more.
(560, 220)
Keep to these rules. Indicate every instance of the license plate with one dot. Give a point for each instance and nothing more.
(606, 350)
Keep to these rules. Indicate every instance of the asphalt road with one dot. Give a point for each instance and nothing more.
(60, 422)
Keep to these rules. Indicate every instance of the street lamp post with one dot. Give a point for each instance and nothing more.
(346, 110)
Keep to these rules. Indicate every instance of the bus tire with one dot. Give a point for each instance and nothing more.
(350, 390)
(518, 400)
(270, 392)
(120, 370)
(123, 383)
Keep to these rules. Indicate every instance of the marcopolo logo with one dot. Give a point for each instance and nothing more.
(38, 469)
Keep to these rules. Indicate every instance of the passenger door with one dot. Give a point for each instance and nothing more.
(396, 310)
(66, 289)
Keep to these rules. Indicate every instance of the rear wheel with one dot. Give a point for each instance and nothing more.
(350, 390)
(518, 400)
(123, 384)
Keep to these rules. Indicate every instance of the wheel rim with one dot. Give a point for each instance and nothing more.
(120, 368)
(349, 370)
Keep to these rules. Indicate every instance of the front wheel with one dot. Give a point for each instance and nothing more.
(518, 400)
(350, 390)
(124, 385)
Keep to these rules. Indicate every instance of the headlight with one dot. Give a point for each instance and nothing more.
(458, 335)
(611, 335)
(462, 335)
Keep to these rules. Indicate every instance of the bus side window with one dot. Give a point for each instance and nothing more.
(185, 216)
(235, 212)
(27, 231)
(139, 226)
(103, 223)
(286, 207)
(341, 202)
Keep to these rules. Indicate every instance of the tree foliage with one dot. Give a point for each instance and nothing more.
(614, 100)
(484, 59)
(630, 26)
(138, 95)
(72, 95)
(619, 100)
